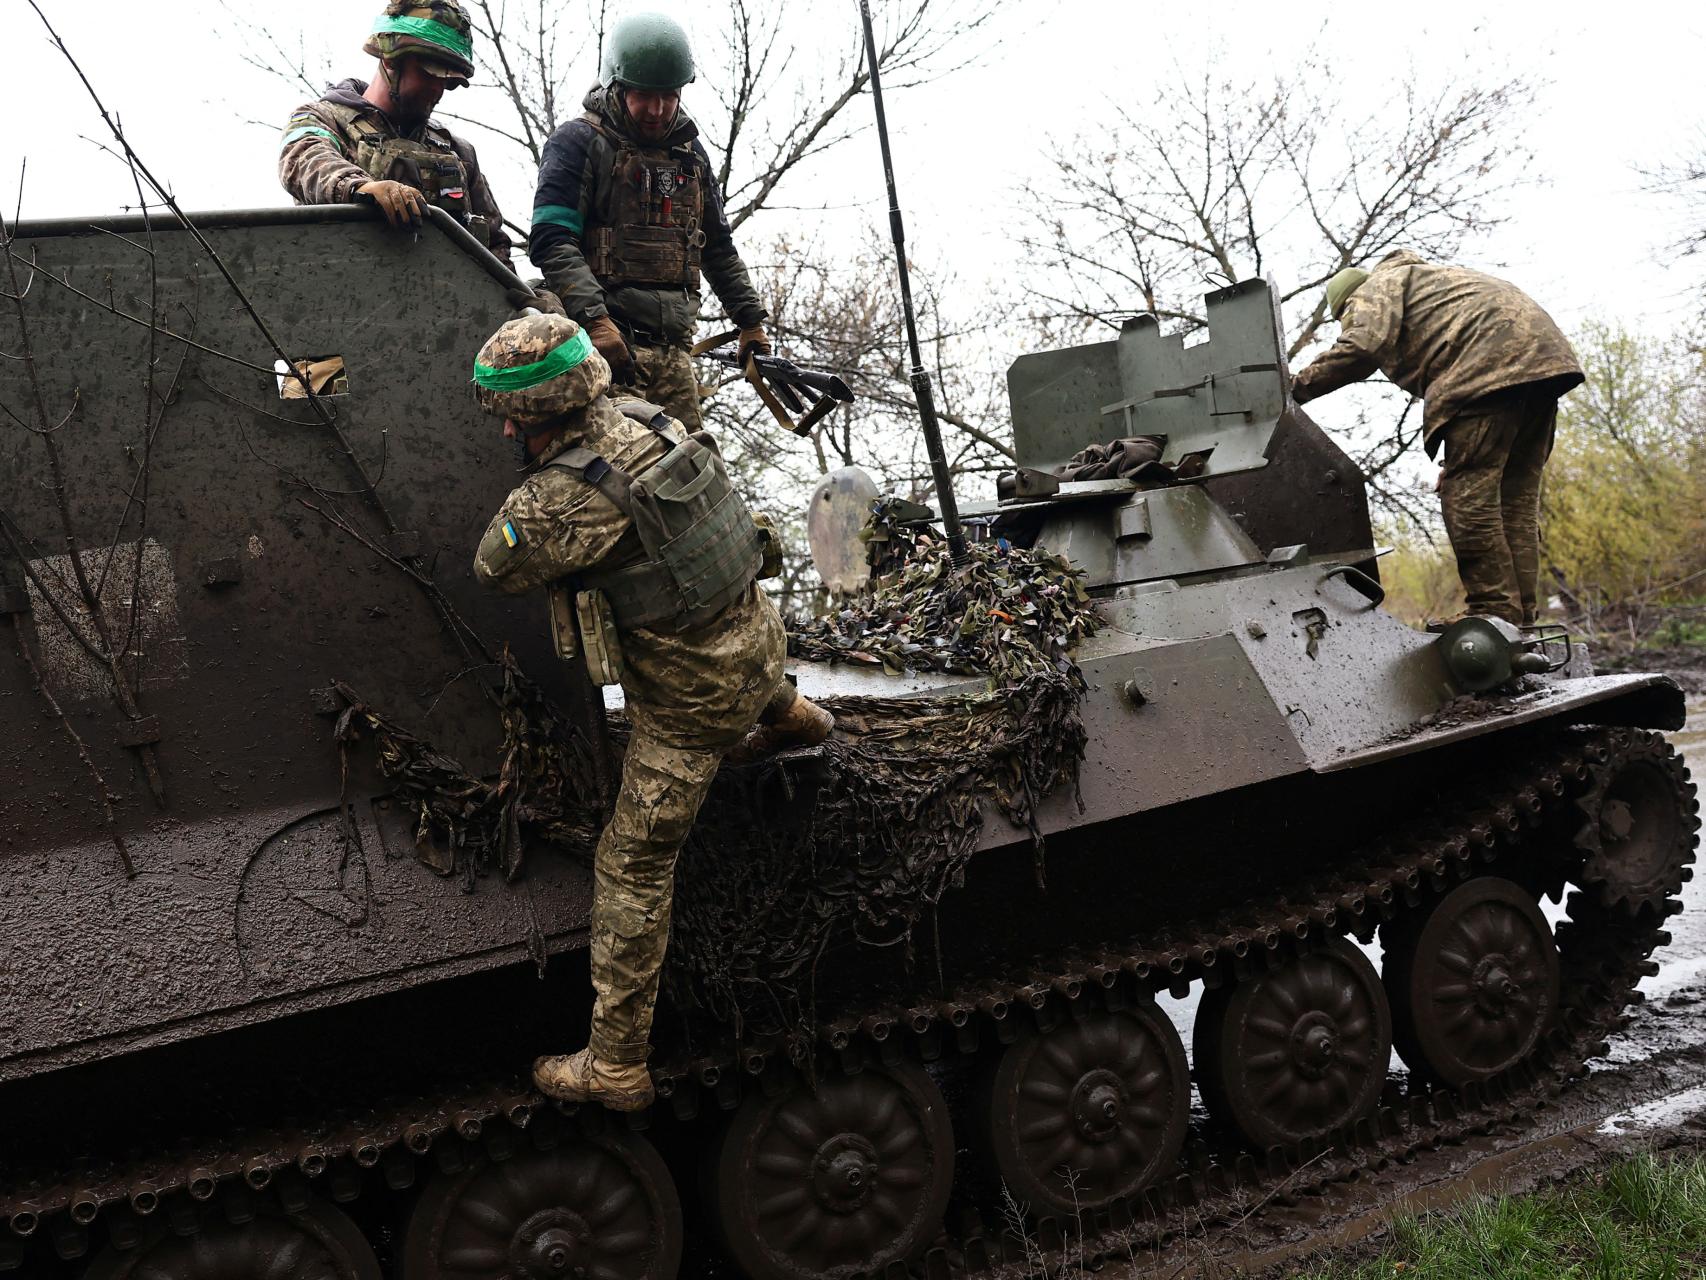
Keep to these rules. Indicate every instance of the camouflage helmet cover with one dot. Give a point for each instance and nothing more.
(648, 51)
(572, 372)
(436, 31)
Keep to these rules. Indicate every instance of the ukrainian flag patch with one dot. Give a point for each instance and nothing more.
(511, 537)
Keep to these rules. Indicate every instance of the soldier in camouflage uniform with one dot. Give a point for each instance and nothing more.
(1489, 365)
(628, 216)
(378, 139)
(699, 667)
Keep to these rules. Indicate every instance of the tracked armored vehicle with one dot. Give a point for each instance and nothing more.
(245, 1032)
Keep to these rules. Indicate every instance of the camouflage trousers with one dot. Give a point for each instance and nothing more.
(1490, 496)
(665, 377)
(634, 886)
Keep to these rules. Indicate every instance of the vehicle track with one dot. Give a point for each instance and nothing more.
(1527, 823)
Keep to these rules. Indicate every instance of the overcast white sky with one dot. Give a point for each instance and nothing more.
(1623, 88)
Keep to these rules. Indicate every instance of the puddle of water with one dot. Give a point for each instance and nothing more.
(1661, 1113)
(1683, 962)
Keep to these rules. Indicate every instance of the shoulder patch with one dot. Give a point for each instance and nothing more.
(503, 545)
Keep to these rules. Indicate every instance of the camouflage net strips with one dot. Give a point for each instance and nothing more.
(1007, 612)
(860, 840)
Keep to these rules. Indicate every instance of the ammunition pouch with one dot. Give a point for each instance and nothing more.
(769, 546)
(429, 165)
(438, 175)
(599, 640)
(702, 546)
(560, 599)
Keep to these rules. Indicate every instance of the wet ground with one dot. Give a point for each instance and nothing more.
(1650, 1092)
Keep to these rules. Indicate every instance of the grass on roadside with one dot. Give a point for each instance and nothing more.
(1644, 1217)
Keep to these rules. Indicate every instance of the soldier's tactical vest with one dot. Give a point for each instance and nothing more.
(430, 165)
(655, 230)
(702, 547)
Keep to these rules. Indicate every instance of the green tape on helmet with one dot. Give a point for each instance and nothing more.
(561, 359)
(427, 29)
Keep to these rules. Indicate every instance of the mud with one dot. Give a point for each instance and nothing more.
(1648, 1093)
(1684, 664)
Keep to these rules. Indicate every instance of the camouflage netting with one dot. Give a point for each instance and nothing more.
(896, 796)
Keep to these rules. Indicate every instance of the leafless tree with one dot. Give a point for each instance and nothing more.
(773, 98)
(841, 312)
(1215, 180)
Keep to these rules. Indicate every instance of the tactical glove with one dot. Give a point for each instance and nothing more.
(541, 300)
(401, 204)
(753, 342)
(607, 339)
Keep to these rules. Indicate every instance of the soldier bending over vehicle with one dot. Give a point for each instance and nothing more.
(1489, 365)
(379, 140)
(612, 496)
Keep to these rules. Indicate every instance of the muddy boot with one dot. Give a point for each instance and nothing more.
(580, 1077)
(1439, 626)
(791, 720)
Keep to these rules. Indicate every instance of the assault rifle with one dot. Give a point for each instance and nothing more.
(785, 388)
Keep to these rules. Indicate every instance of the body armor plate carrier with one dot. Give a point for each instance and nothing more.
(655, 233)
(702, 547)
(430, 164)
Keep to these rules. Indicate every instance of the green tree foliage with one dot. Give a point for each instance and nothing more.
(1623, 508)
(1420, 576)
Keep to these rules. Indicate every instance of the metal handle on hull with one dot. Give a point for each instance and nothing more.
(1358, 581)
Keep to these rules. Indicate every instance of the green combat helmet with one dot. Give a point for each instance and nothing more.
(648, 51)
(1341, 287)
(435, 31)
(536, 367)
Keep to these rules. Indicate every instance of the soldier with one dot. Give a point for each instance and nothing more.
(693, 639)
(379, 140)
(628, 215)
(1489, 365)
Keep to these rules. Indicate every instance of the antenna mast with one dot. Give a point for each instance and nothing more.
(921, 389)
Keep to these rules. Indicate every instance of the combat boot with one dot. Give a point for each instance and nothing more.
(798, 722)
(582, 1077)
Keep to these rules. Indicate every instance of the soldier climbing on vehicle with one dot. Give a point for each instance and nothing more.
(628, 216)
(378, 139)
(653, 563)
(1489, 365)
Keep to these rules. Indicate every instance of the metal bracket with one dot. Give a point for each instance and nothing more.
(1132, 520)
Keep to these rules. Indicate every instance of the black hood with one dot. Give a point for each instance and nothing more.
(347, 93)
(605, 102)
